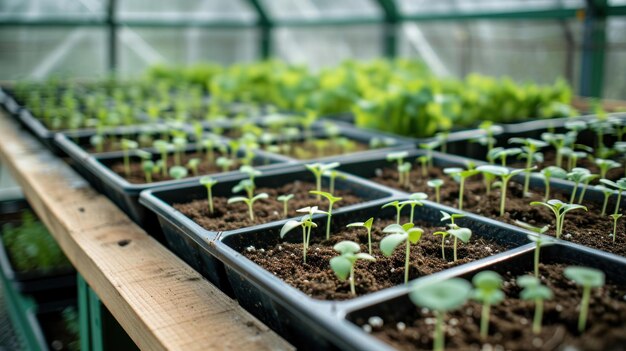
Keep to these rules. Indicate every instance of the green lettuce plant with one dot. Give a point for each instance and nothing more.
(398, 234)
(285, 199)
(331, 201)
(367, 225)
(559, 209)
(208, 183)
(343, 265)
(535, 291)
(487, 285)
(588, 278)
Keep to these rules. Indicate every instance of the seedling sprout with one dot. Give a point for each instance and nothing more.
(193, 164)
(343, 265)
(148, 168)
(209, 182)
(398, 206)
(587, 178)
(415, 199)
(367, 225)
(461, 175)
(577, 175)
(436, 183)
(318, 169)
(615, 217)
(248, 201)
(163, 147)
(331, 201)
(588, 278)
(399, 234)
(332, 175)
(487, 285)
(179, 144)
(531, 153)
(399, 158)
(225, 163)
(178, 172)
(559, 209)
(505, 174)
(607, 194)
(620, 185)
(605, 166)
(549, 173)
(128, 145)
(306, 223)
(285, 199)
(538, 239)
(534, 290)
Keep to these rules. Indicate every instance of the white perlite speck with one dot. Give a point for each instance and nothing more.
(375, 322)
(400, 326)
(367, 328)
(250, 248)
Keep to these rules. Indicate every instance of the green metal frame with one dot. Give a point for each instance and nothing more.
(595, 13)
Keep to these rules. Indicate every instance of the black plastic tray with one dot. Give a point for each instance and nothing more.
(46, 313)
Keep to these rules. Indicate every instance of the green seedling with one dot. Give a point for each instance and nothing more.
(530, 151)
(620, 185)
(179, 144)
(423, 161)
(615, 217)
(367, 225)
(285, 199)
(620, 149)
(399, 234)
(587, 178)
(209, 145)
(605, 166)
(415, 199)
(573, 157)
(343, 265)
(559, 209)
(463, 234)
(549, 173)
(193, 164)
(247, 185)
(577, 175)
(332, 175)
(487, 285)
(331, 201)
(148, 168)
(442, 139)
(444, 235)
(398, 157)
(505, 175)
(249, 201)
(559, 142)
(225, 163)
(398, 206)
(404, 170)
(97, 141)
(128, 145)
(538, 239)
(490, 130)
(306, 223)
(607, 194)
(208, 183)
(429, 147)
(588, 278)
(534, 290)
(504, 154)
(436, 183)
(460, 175)
(318, 169)
(163, 147)
(178, 172)
(441, 297)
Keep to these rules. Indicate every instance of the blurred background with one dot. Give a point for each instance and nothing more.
(528, 40)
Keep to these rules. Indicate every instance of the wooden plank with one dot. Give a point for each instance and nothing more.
(159, 300)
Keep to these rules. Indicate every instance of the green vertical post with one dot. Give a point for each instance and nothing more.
(390, 30)
(83, 313)
(265, 26)
(112, 43)
(594, 45)
(95, 317)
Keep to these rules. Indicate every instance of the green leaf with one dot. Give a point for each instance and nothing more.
(441, 296)
(390, 242)
(347, 246)
(365, 256)
(329, 196)
(463, 234)
(341, 266)
(208, 181)
(585, 276)
(238, 199)
(288, 226)
(496, 170)
(415, 234)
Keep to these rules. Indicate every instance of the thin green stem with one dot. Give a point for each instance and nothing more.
(304, 243)
(443, 248)
(352, 288)
(148, 176)
(210, 196)
(584, 309)
(437, 194)
(527, 178)
(454, 249)
(484, 320)
(606, 202)
(406, 261)
(582, 193)
(547, 194)
(615, 228)
(369, 240)
(164, 166)
(537, 248)
(619, 199)
(571, 199)
(250, 210)
(330, 210)
(318, 185)
(461, 193)
(558, 225)
(538, 316)
(331, 186)
(438, 343)
(285, 208)
(503, 196)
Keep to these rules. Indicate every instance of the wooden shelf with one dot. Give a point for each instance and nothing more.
(158, 299)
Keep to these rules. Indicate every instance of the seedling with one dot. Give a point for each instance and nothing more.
(504, 154)
(531, 153)
(97, 141)
(549, 173)
(442, 139)
(538, 239)
(285, 199)
(588, 278)
(367, 225)
(343, 265)
(306, 223)
(249, 201)
(163, 147)
(404, 170)
(209, 182)
(559, 141)
(463, 234)
(620, 185)
(443, 234)
(436, 183)
(487, 285)
(331, 201)
(208, 145)
(408, 234)
(577, 175)
(429, 147)
(225, 163)
(559, 209)
(607, 194)
(587, 178)
(415, 199)
(318, 169)
(490, 130)
(615, 217)
(534, 290)
(605, 166)
(179, 144)
(178, 172)
(505, 174)
(148, 168)
(460, 175)
(398, 157)
(398, 207)
(441, 297)
(128, 145)
(193, 164)
(332, 175)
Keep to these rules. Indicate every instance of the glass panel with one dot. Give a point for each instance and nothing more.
(235, 10)
(34, 53)
(617, 2)
(312, 9)
(60, 8)
(615, 64)
(472, 6)
(140, 48)
(326, 46)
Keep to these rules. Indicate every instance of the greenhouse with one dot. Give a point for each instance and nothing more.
(313, 175)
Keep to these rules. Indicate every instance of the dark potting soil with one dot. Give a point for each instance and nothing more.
(137, 175)
(510, 321)
(316, 279)
(57, 333)
(588, 228)
(236, 215)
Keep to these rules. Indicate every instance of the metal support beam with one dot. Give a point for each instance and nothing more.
(390, 34)
(508, 15)
(112, 43)
(594, 45)
(265, 26)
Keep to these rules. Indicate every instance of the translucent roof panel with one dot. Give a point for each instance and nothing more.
(617, 2)
(410, 7)
(231, 10)
(615, 60)
(314, 9)
(32, 9)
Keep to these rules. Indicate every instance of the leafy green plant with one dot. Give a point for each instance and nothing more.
(559, 209)
(398, 157)
(463, 234)
(306, 223)
(398, 206)
(333, 174)
(441, 297)
(163, 147)
(586, 179)
(615, 217)
(343, 265)
(504, 154)
(208, 183)
(225, 163)
(178, 172)
(607, 194)
(605, 166)
(331, 201)
(487, 285)
(588, 278)
(193, 164)
(249, 201)
(367, 225)
(318, 169)
(534, 290)
(127, 145)
(285, 199)
(531, 154)
(538, 239)
(558, 141)
(407, 234)
(549, 173)
(436, 183)
(577, 175)
(620, 185)
(505, 175)
(415, 199)
(460, 175)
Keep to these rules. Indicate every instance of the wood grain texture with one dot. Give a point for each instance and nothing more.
(159, 300)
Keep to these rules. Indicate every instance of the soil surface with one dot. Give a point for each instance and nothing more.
(584, 227)
(236, 215)
(316, 279)
(511, 320)
(137, 175)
